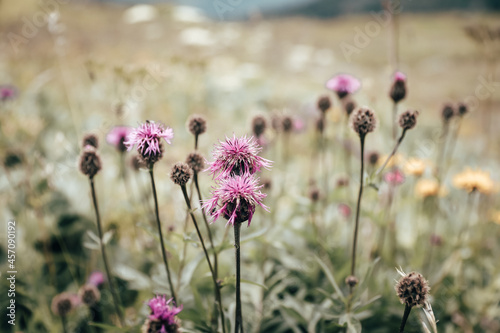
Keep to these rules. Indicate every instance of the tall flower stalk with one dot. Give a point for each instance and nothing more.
(147, 138)
(90, 165)
(180, 175)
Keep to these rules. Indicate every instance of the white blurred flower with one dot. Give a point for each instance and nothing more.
(197, 37)
(188, 14)
(140, 13)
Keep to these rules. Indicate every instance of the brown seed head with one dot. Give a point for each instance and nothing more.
(89, 294)
(462, 109)
(447, 113)
(181, 173)
(373, 158)
(197, 125)
(412, 289)
(287, 124)
(259, 125)
(408, 119)
(363, 121)
(90, 140)
(90, 162)
(349, 105)
(324, 103)
(63, 303)
(398, 91)
(314, 194)
(196, 162)
(351, 281)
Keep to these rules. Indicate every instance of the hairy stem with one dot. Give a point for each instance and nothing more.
(160, 234)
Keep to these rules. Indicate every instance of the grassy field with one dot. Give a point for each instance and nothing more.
(89, 69)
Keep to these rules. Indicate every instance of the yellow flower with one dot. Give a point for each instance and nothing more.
(429, 188)
(415, 166)
(396, 160)
(472, 180)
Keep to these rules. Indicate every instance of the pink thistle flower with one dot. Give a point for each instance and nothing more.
(117, 136)
(398, 76)
(96, 278)
(395, 177)
(344, 210)
(162, 316)
(343, 84)
(7, 92)
(237, 156)
(235, 199)
(147, 138)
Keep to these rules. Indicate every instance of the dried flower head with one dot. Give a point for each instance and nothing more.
(64, 303)
(447, 113)
(117, 137)
(259, 125)
(287, 124)
(90, 162)
(363, 121)
(181, 173)
(351, 281)
(7, 92)
(412, 289)
(197, 124)
(147, 137)
(373, 158)
(235, 199)
(96, 278)
(90, 140)
(475, 180)
(398, 88)
(314, 194)
(162, 318)
(343, 85)
(349, 105)
(324, 103)
(462, 109)
(343, 181)
(89, 294)
(408, 119)
(237, 156)
(196, 162)
(13, 158)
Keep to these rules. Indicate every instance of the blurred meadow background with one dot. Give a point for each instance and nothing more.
(70, 68)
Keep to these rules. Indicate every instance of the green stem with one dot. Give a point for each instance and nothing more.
(238, 327)
(360, 194)
(160, 234)
(64, 324)
(104, 255)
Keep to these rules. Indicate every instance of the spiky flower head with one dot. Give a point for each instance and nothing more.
(117, 137)
(408, 119)
(7, 92)
(90, 162)
(259, 125)
(181, 173)
(237, 156)
(343, 85)
(96, 278)
(324, 103)
(235, 199)
(398, 88)
(412, 289)
(447, 113)
(147, 137)
(197, 124)
(363, 121)
(89, 294)
(64, 303)
(90, 140)
(162, 318)
(196, 162)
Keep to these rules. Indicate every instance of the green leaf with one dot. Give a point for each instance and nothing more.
(330, 277)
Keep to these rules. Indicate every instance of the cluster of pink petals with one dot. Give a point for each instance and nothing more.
(398, 76)
(7, 92)
(394, 177)
(235, 195)
(117, 136)
(162, 311)
(343, 84)
(147, 138)
(237, 156)
(96, 278)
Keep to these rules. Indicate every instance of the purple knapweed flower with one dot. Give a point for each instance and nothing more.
(343, 84)
(96, 278)
(64, 303)
(237, 156)
(117, 137)
(395, 177)
(7, 92)
(147, 138)
(235, 199)
(162, 318)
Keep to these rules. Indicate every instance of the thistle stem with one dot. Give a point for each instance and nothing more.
(104, 255)
(360, 194)
(64, 324)
(394, 120)
(214, 277)
(238, 326)
(160, 234)
(392, 154)
(405, 318)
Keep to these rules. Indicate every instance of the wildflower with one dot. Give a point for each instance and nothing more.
(344, 210)
(343, 181)
(64, 303)
(89, 294)
(259, 125)
(412, 289)
(415, 166)
(196, 162)
(197, 125)
(343, 85)
(96, 278)
(90, 162)
(408, 119)
(462, 109)
(394, 177)
(13, 158)
(237, 156)
(398, 88)
(373, 158)
(117, 137)
(147, 137)
(324, 104)
(474, 180)
(162, 317)
(351, 281)
(349, 105)
(363, 121)
(428, 188)
(7, 92)
(314, 194)
(287, 124)
(447, 113)
(235, 199)
(90, 140)
(181, 173)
